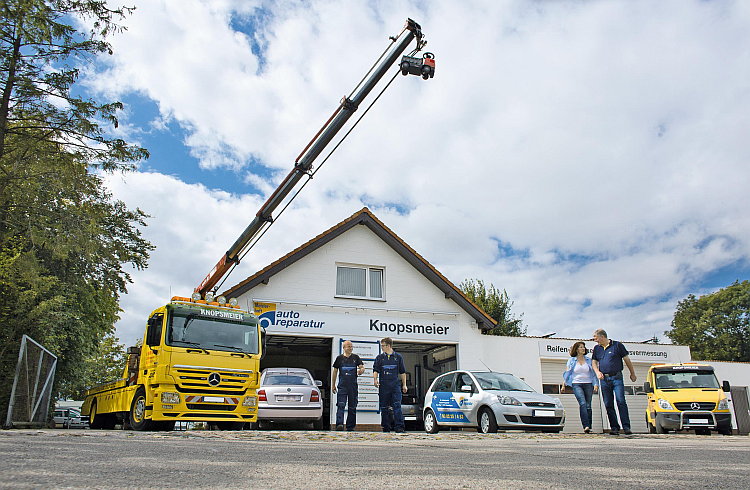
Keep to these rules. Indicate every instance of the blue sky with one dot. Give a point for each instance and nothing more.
(590, 158)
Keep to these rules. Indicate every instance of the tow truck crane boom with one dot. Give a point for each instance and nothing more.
(303, 163)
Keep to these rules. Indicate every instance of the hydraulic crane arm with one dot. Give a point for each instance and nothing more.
(303, 163)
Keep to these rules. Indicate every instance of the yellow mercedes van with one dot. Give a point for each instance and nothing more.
(686, 396)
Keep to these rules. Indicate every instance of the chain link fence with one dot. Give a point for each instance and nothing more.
(32, 386)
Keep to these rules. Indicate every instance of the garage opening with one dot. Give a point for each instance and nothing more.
(424, 362)
(311, 353)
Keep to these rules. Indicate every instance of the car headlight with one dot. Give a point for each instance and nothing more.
(665, 405)
(170, 397)
(508, 400)
(250, 401)
(558, 403)
(723, 404)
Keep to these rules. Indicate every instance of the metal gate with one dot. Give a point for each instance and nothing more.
(32, 385)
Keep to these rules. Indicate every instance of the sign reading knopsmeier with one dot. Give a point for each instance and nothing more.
(276, 317)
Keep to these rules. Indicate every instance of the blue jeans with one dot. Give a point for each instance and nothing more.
(584, 392)
(347, 395)
(613, 388)
(389, 398)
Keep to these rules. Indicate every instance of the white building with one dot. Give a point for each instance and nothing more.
(359, 281)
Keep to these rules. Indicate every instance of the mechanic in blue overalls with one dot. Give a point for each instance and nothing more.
(389, 368)
(347, 366)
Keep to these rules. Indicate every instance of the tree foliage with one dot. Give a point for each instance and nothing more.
(497, 305)
(64, 241)
(105, 364)
(715, 326)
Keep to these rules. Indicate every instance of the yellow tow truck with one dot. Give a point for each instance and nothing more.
(686, 396)
(198, 362)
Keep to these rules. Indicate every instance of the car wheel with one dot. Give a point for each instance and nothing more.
(659, 428)
(487, 422)
(318, 424)
(430, 423)
(137, 416)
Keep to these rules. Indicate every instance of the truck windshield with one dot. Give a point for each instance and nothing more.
(208, 330)
(683, 379)
(501, 381)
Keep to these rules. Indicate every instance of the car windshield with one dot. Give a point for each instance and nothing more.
(686, 379)
(293, 379)
(501, 381)
(213, 330)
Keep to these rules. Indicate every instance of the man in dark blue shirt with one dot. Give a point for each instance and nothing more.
(607, 360)
(347, 366)
(389, 368)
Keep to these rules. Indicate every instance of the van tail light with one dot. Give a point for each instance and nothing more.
(262, 396)
(315, 396)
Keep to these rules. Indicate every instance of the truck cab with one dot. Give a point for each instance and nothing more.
(686, 396)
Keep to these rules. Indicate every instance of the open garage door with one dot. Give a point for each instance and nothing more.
(311, 353)
(424, 362)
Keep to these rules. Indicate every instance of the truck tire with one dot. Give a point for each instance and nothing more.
(101, 420)
(487, 421)
(137, 415)
(659, 428)
(430, 423)
(229, 425)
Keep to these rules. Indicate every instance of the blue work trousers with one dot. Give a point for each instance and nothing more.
(389, 396)
(613, 389)
(584, 392)
(347, 395)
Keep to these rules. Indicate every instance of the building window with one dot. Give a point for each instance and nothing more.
(359, 282)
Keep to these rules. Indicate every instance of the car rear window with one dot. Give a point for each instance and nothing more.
(287, 379)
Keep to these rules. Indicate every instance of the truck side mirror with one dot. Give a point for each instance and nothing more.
(725, 386)
(647, 387)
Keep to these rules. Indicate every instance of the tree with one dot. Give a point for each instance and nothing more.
(64, 242)
(495, 304)
(715, 326)
(106, 364)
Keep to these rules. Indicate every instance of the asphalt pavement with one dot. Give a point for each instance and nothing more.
(78, 458)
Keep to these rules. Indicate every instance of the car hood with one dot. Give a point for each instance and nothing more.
(524, 396)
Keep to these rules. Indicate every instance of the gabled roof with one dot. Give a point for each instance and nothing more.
(367, 218)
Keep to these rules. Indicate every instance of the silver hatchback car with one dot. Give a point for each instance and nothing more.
(290, 395)
(488, 401)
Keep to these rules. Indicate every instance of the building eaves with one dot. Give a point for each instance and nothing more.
(367, 218)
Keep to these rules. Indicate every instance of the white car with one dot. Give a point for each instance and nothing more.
(488, 401)
(290, 395)
(69, 418)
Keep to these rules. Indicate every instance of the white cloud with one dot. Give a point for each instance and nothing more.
(606, 141)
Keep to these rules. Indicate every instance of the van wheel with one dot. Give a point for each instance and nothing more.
(430, 423)
(651, 428)
(725, 432)
(659, 428)
(137, 416)
(487, 422)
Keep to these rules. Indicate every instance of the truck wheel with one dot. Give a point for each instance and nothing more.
(138, 420)
(430, 423)
(229, 425)
(487, 422)
(651, 428)
(659, 428)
